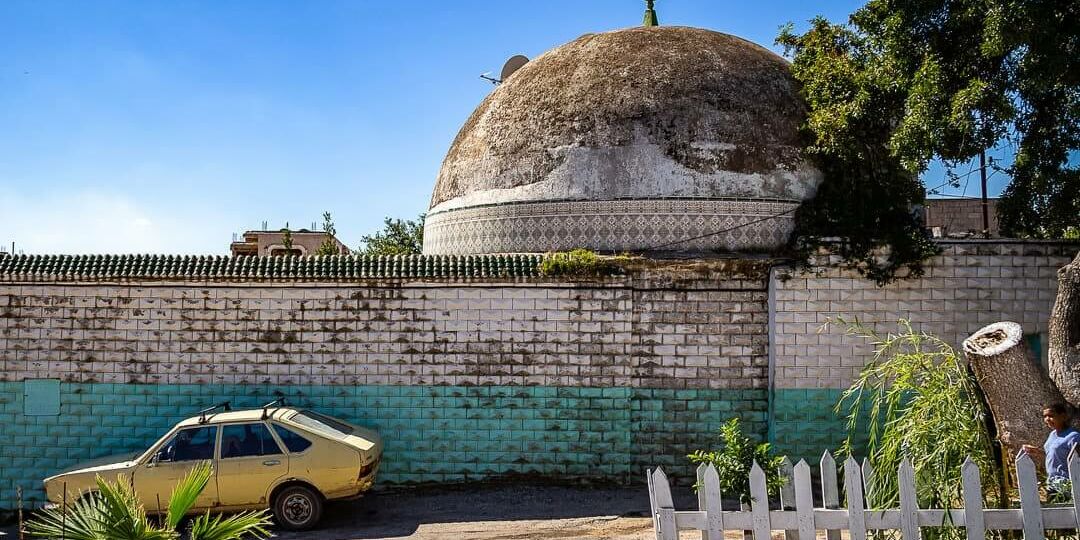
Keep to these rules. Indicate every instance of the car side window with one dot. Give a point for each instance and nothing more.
(242, 440)
(294, 442)
(191, 444)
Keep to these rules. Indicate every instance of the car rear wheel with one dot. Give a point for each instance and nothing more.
(297, 508)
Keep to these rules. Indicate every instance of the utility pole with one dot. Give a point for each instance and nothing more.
(985, 203)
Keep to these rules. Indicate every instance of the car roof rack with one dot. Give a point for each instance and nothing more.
(225, 406)
(280, 402)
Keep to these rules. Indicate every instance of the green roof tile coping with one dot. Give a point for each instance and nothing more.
(251, 268)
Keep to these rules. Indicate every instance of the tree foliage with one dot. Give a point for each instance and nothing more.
(906, 82)
(397, 237)
(329, 244)
(917, 400)
(286, 238)
(863, 209)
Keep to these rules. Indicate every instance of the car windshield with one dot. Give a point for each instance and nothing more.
(322, 423)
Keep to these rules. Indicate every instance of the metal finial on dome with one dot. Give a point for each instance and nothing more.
(650, 15)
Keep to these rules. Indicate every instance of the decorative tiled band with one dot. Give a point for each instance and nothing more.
(617, 225)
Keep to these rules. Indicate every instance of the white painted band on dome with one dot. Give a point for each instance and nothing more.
(616, 225)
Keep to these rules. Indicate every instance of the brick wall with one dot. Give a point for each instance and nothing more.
(971, 284)
(621, 332)
(467, 379)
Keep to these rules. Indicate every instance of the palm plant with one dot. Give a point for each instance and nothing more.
(114, 512)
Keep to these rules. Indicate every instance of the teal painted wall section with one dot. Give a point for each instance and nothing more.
(804, 424)
(432, 433)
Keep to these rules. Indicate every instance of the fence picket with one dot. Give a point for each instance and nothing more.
(665, 507)
(853, 486)
(1074, 477)
(700, 485)
(804, 500)
(758, 522)
(909, 503)
(759, 503)
(1029, 497)
(973, 503)
(714, 517)
(787, 494)
(868, 481)
(830, 494)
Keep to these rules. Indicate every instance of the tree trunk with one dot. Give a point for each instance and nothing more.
(1065, 333)
(1014, 383)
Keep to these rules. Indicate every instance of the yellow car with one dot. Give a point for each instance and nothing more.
(289, 460)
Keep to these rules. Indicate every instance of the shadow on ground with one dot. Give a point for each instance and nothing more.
(482, 511)
(400, 513)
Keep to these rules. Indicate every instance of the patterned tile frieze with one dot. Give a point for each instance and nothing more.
(251, 268)
(619, 225)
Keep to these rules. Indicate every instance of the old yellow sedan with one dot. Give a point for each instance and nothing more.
(289, 460)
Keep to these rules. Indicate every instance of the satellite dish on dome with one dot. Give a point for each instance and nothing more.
(513, 64)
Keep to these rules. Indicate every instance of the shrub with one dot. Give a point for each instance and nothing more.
(916, 399)
(736, 457)
(580, 263)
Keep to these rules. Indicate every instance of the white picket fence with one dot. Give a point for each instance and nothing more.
(801, 520)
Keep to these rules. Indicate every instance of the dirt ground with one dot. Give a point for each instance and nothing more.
(491, 513)
(487, 512)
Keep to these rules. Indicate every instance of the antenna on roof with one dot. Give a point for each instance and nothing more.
(264, 225)
(513, 64)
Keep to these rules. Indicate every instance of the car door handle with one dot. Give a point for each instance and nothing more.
(272, 462)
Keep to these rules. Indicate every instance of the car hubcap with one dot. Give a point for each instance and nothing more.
(297, 509)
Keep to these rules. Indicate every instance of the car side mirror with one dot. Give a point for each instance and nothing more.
(154, 460)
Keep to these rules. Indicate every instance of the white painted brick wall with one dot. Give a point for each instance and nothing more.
(967, 287)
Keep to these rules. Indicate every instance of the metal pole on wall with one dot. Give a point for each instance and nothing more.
(985, 203)
(18, 496)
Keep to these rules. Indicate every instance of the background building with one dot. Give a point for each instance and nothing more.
(272, 243)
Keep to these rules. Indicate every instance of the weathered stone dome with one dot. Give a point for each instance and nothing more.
(626, 141)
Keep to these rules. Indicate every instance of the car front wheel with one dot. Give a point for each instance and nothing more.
(297, 508)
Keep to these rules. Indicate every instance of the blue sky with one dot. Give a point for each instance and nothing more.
(164, 127)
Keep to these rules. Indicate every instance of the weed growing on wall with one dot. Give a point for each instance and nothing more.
(736, 457)
(920, 402)
(581, 263)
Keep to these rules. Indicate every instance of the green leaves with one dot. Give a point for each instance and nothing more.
(234, 527)
(80, 522)
(916, 399)
(581, 263)
(186, 492)
(907, 82)
(735, 459)
(398, 237)
(329, 245)
(114, 512)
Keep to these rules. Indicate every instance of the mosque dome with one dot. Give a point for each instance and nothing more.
(643, 139)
